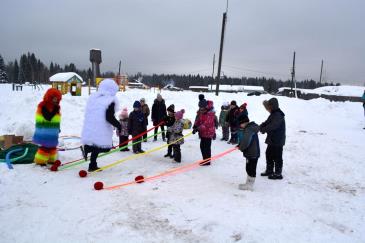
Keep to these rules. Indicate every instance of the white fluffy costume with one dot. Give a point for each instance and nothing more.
(96, 130)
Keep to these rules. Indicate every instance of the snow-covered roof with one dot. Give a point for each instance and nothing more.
(198, 87)
(225, 87)
(64, 77)
(343, 90)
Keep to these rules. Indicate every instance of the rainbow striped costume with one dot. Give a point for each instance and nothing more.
(46, 135)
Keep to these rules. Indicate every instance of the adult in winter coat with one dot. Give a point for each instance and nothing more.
(250, 147)
(97, 132)
(146, 112)
(232, 121)
(274, 126)
(136, 125)
(176, 134)
(205, 125)
(47, 127)
(158, 114)
(169, 120)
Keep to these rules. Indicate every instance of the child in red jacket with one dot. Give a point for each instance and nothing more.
(205, 125)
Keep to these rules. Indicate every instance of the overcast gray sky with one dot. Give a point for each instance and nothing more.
(171, 36)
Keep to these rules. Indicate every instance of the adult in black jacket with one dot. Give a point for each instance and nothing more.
(158, 114)
(136, 125)
(274, 126)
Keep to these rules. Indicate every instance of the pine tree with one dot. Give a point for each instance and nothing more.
(16, 72)
(3, 74)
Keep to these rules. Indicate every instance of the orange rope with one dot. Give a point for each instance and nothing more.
(175, 171)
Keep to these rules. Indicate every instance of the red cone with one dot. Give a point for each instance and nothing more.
(57, 163)
(54, 168)
(98, 185)
(82, 173)
(139, 179)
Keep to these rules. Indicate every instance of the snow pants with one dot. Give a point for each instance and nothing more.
(251, 165)
(205, 148)
(177, 152)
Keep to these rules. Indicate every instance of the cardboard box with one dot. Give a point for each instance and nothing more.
(6, 141)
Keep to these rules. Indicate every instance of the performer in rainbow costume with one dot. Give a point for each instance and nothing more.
(47, 127)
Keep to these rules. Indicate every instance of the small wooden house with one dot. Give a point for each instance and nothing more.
(67, 83)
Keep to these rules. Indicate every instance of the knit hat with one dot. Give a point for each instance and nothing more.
(201, 97)
(124, 113)
(225, 104)
(243, 106)
(233, 102)
(171, 108)
(203, 103)
(137, 104)
(180, 114)
(159, 96)
(210, 104)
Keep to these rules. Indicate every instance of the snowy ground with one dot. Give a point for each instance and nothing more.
(321, 198)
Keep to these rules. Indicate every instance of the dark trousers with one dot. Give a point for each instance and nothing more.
(123, 143)
(137, 147)
(169, 149)
(251, 165)
(205, 148)
(234, 135)
(177, 152)
(145, 135)
(274, 158)
(225, 133)
(94, 154)
(163, 132)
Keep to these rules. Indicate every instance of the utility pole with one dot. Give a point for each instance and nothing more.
(221, 52)
(320, 77)
(120, 64)
(211, 85)
(293, 76)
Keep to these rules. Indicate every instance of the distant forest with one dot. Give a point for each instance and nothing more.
(31, 69)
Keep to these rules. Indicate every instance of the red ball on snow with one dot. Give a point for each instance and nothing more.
(98, 185)
(82, 173)
(139, 179)
(57, 163)
(54, 168)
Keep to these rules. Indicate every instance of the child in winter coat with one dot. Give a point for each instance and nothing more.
(222, 121)
(232, 121)
(274, 126)
(169, 120)
(97, 132)
(205, 125)
(136, 125)
(250, 147)
(176, 134)
(123, 135)
(47, 120)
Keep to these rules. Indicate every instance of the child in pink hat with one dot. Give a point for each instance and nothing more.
(123, 135)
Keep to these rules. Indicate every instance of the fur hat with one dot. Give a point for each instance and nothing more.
(171, 108)
(201, 97)
(180, 114)
(137, 104)
(272, 103)
(142, 100)
(124, 113)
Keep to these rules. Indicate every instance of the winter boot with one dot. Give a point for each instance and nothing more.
(275, 177)
(248, 186)
(269, 169)
(278, 169)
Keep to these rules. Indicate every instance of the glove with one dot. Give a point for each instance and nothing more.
(195, 130)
